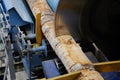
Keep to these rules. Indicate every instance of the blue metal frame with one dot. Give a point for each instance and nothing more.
(53, 4)
(50, 69)
(18, 13)
(19, 16)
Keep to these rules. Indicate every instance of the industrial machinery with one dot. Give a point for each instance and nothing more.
(95, 21)
(23, 46)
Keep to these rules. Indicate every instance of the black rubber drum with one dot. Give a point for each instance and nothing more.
(94, 20)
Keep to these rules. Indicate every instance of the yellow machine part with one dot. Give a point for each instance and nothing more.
(110, 66)
(38, 30)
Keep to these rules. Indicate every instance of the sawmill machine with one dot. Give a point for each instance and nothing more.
(46, 37)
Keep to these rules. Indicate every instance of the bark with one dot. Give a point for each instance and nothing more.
(68, 51)
(38, 6)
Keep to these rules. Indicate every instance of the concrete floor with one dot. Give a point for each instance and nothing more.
(21, 75)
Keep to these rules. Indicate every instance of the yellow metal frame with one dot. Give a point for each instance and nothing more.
(110, 66)
(38, 29)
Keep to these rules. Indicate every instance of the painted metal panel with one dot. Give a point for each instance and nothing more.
(53, 4)
(50, 69)
(19, 15)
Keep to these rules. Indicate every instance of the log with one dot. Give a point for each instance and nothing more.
(68, 51)
(88, 74)
(38, 6)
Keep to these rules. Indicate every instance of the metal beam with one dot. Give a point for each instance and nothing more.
(111, 66)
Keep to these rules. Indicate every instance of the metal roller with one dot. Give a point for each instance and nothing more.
(96, 21)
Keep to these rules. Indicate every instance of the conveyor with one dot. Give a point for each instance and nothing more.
(60, 39)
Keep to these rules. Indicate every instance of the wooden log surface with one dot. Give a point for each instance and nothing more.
(38, 6)
(88, 74)
(68, 51)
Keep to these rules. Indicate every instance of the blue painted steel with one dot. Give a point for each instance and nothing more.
(35, 61)
(53, 4)
(25, 63)
(30, 64)
(23, 43)
(14, 31)
(50, 69)
(4, 17)
(31, 61)
(3, 6)
(41, 48)
(18, 13)
(18, 16)
(31, 36)
(15, 19)
(110, 76)
(45, 47)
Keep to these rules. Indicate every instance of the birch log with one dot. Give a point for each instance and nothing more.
(38, 6)
(66, 48)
